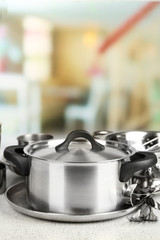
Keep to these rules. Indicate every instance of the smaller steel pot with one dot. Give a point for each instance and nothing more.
(101, 134)
(141, 141)
(33, 137)
(23, 141)
(70, 177)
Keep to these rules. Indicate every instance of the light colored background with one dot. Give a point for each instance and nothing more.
(49, 47)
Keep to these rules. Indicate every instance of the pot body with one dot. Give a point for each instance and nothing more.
(75, 188)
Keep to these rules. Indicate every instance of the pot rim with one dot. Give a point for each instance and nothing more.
(32, 145)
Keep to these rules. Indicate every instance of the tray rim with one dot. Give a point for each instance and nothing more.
(61, 217)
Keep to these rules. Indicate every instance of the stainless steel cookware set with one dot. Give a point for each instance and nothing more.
(83, 174)
(78, 175)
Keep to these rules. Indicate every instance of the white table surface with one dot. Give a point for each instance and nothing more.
(14, 225)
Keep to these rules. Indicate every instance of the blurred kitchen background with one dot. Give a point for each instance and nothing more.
(57, 72)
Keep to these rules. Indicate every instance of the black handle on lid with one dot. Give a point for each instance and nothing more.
(16, 156)
(63, 147)
(138, 161)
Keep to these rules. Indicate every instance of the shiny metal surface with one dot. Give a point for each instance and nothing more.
(34, 137)
(101, 134)
(26, 139)
(140, 140)
(78, 152)
(153, 143)
(17, 198)
(84, 184)
(74, 189)
(137, 139)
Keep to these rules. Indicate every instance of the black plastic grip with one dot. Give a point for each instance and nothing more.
(16, 156)
(63, 147)
(138, 161)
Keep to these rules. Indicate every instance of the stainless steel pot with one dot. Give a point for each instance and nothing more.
(101, 134)
(141, 141)
(24, 140)
(77, 177)
(33, 137)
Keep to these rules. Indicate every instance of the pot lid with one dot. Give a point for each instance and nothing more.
(75, 150)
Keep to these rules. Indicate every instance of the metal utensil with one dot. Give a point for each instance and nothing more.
(153, 143)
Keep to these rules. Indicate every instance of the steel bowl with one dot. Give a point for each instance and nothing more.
(33, 137)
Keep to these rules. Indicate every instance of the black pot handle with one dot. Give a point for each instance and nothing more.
(16, 156)
(63, 147)
(138, 161)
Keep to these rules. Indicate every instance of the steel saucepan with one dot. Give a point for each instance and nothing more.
(33, 137)
(29, 138)
(140, 140)
(77, 177)
(101, 134)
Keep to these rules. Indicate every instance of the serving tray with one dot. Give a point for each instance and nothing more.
(17, 198)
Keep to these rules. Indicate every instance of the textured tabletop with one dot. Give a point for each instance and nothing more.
(14, 225)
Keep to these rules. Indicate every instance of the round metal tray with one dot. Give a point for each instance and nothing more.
(17, 198)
